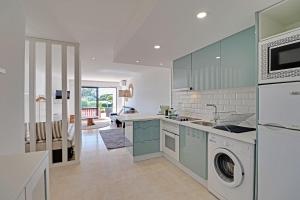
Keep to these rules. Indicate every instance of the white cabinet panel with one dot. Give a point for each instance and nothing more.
(279, 104)
(278, 163)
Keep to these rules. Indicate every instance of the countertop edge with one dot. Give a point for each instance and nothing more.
(249, 137)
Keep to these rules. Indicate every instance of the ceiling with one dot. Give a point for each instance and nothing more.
(113, 34)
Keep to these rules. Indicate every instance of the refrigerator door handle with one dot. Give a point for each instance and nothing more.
(294, 93)
(274, 125)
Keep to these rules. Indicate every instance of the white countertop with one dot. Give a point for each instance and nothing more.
(16, 171)
(248, 137)
(138, 117)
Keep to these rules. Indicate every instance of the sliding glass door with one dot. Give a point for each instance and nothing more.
(89, 105)
(98, 102)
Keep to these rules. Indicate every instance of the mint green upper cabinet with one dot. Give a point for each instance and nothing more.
(182, 72)
(193, 150)
(238, 65)
(146, 137)
(206, 68)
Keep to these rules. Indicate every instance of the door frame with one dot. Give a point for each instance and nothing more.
(97, 97)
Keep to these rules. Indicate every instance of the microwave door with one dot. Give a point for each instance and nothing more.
(279, 104)
(284, 57)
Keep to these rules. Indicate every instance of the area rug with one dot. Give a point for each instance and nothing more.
(114, 138)
(99, 123)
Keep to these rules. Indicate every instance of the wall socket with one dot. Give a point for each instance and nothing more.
(2, 70)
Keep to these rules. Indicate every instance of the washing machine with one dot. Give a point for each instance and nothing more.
(230, 168)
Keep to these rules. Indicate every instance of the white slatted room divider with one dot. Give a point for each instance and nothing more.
(43, 57)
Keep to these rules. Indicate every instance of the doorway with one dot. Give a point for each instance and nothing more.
(98, 102)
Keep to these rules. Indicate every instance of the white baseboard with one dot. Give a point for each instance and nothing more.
(199, 179)
(147, 156)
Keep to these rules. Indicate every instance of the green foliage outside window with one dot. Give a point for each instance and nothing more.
(89, 99)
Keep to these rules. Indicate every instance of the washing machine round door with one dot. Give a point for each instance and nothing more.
(228, 168)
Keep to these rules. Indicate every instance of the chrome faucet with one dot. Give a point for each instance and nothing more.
(216, 117)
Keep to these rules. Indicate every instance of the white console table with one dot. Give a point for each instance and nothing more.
(24, 176)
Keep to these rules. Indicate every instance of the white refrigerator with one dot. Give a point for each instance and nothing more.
(279, 142)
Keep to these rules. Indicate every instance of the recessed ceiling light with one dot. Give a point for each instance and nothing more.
(161, 64)
(156, 47)
(93, 58)
(137, 61)
(218, 57)
(201, 15)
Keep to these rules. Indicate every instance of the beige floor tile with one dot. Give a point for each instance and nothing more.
(112, 175)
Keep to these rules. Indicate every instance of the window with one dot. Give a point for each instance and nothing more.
(98, 101)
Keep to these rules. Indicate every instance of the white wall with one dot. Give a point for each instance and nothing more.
(151, 89)
(12, 39)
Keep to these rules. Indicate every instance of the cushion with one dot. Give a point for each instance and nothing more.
(40, 129)
(56, 129)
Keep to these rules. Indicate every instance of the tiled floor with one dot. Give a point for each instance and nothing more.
(111, 175)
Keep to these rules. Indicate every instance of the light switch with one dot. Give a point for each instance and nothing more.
(2, 70)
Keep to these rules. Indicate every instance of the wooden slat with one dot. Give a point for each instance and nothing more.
(32, 95)
(64, 73)
(77, 88)
(49, 99)
(77, 94)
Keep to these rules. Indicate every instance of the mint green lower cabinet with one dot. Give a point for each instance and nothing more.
(146, 137)
(193, 150)
(147, 147)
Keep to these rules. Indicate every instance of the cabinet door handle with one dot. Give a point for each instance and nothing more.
(294, 93)
(213, 141)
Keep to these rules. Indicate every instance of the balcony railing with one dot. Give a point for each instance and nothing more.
(89, 112)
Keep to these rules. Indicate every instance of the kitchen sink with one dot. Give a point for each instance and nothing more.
(203, 123)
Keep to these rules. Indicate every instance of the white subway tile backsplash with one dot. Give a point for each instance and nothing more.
(229, 96)
(242, 95)
(248, 102)
(236, 102)
(242, 109)
(229, 108)
(224, 102)
(218, 96)
(241, 100)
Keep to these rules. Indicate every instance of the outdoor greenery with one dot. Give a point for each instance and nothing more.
(89, 99)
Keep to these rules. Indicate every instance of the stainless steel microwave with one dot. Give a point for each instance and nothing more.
(279, 58)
